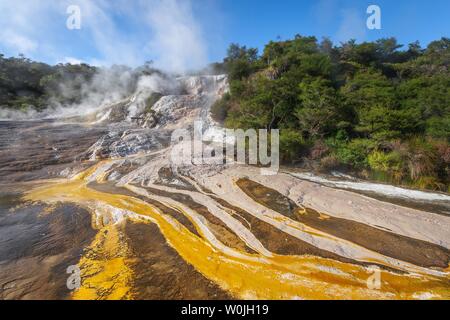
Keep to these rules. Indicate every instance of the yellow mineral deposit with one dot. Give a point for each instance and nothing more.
(105, 274)
(104, 268)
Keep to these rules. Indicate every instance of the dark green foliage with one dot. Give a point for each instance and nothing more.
(292, 144)
(219, 111)
(363, 101)
(27, 84)
(152, 100)
(73, 77)
(241, 62)
(318, 108)
(20, 82)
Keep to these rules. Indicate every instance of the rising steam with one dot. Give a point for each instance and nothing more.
(108, 86)
(173, 40)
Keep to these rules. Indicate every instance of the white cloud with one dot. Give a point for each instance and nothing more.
(353, 26)
(19, 25)
(71, 60)
(17, 42)
(165, 31)
(177, 40)
(325, 11)
(113, 45)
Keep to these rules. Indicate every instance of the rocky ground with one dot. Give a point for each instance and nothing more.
(102, 193)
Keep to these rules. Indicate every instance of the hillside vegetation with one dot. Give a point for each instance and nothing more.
(372, 108)
(25, 84)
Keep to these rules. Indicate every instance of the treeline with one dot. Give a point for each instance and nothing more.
(27, 84)
(372, 108)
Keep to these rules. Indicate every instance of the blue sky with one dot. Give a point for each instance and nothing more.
(256, 22)
(183, 34)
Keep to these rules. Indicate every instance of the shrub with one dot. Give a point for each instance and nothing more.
(390, 164)
(431, 183)
(329, 163)
(319, 150)
(219, 111)
(355, 152)
(387, 162)
(439, 127)
(291, 144)
(151, 101)
(423, 159)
